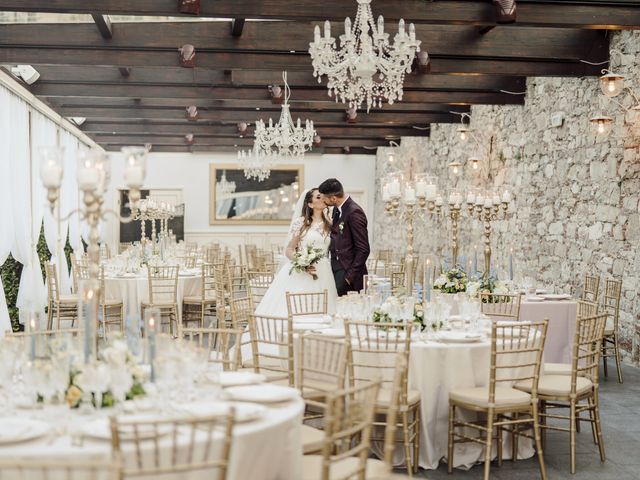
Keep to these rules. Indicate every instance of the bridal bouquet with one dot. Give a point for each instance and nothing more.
(305, 258)
(451, 281)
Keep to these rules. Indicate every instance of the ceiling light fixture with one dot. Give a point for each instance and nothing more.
(363, 66)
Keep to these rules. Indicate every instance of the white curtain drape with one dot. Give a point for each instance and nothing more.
(70, 194)
(6, 202)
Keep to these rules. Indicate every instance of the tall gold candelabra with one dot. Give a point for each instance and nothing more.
(488, 213)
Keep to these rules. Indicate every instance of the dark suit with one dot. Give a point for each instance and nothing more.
(349, 247)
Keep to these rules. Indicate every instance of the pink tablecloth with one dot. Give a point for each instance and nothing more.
(561, 329)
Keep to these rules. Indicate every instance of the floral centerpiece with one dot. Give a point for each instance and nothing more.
(399, 308)
(306, 257)
(451, 281)
(114, 378)
(487, 285)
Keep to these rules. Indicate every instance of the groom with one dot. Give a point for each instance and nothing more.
(349, 238)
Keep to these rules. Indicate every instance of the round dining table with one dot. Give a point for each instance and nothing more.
(268, 448)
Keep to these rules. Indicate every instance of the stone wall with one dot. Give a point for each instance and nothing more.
(576, 202)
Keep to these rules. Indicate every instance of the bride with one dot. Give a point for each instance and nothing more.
(312, 227)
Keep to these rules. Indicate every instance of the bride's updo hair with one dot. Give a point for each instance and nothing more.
(307, 213)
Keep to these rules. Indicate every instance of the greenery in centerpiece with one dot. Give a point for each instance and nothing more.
(488, 284)
(392, 307)
(451, 281)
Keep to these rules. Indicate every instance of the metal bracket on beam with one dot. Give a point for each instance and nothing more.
(505, 11)
(125, 71)
(187, 55)
(351, 115)
(237, 24)
(104, 25)
(192, 113)
(189, 7)
(486, 29)
(277, 95)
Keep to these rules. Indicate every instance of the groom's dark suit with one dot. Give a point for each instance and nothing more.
(349, 246)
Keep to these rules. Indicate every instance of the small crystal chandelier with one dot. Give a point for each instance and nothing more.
(365, 66)
(226, 186)
(285, 138)
(256, 164)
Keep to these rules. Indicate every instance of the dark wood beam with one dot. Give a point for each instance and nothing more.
(104, 25)
(206, 129)
(318, 94)
(558, 13)
(285, 37)
(208, 149)
(321, 118)
(237, 25)
(289, 62)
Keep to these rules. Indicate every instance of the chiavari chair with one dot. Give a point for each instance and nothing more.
(568, 391)
(236, 281)
(611, 305)
(347, 435)
(398, 283)
(105, 252)
(196, 444)
(372, 351)
(111, 310)
(258, 282)
(516, 355)
(391, 268)
(37, 468)
(221, 343)
(62, 307)
(272, 347)
(311, 304)
(163, 294)
(191, 247)
(500, 306)
(212, 254)
(124, 246)
(590, 288)
(76, 261)
(198, 307)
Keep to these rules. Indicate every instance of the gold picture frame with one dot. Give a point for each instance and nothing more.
(236, 200)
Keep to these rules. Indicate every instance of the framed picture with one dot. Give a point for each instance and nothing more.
(236, 200)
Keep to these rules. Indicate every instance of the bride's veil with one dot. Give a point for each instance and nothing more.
(297, 213)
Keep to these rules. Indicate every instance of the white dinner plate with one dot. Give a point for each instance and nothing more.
(310, 326)
(459, 337)
(312, 319)
(541, 291)
(101, 428)
(261, 393)
(332, 332)
(533, 298)
(556, 296)
(244, 412)
(14, 430)
(233, 379)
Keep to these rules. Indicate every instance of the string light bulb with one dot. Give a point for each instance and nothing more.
(612, 84)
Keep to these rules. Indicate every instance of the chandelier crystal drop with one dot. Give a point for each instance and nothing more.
(225, 186)
(256, 165)
(363, 66)
(285, 138)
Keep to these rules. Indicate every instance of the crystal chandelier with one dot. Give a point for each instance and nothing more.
(364, 67)
(284, 138)
(256, 164)
(226, 186)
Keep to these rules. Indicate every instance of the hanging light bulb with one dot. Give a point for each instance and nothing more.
(391, 157)
(463, 133)
(475, 163)
(612, 84)
(455, 167)
(601, 125)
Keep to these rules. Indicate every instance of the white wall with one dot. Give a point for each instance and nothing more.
(190, 172)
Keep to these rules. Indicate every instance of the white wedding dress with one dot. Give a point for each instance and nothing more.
(274, 301)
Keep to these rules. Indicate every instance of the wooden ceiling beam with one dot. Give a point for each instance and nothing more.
(209, 149)
(294, 37)
(601, 14)
(290, 62)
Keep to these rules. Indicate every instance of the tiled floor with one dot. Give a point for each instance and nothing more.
(620, 414)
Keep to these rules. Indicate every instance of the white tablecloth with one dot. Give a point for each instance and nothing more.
(268, 449)
(135, 290)
(561, 329)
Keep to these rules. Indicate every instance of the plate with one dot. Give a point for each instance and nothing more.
(312, 319)
(533, 298)
(244, 412)
(459, 337)
(261, 393)
(14, 430)
(310, 326)
(332, 332)
(101, 428)
(541, 291)
(233, 379)
(556, 296)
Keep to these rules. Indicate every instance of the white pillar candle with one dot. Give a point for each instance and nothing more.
(88, 178)
(386, 196)
(134, 176)
(51, 175)
(479, 200)
(439, 201)
(394, 188)
(431, 192)
(471, 198)
(488, 202)
(421, 188)
(496, 199)
(506, 196)
(409, 194)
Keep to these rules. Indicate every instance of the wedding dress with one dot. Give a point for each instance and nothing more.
(274, 302)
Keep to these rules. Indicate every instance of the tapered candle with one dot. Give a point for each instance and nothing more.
(152, 345)
(32, 329)
(475, 259)
(511, 265)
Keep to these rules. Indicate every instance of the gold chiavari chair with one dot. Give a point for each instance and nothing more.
(347, 435)
(197, 307)
(236, 281)
(241, 310)
(163, 294)
(191, 247)
(373, 352)
(391, 268)
(258, 282)
(76, 262)
(500, 306)
(307, 304)
(250, 253)
(62, 307)
(611, 305)
(124, 246)
(271, 267)
(516, 355)
(105, 252)
(200, 444)
(111, 310)
(590, 288)
(568, 391)
(272, 347)
(586, 309)
(70, 469)
(221, 343)
(398, 283)
(212, 254)
(190, 261)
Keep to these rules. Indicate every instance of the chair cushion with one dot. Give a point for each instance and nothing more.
(312, 467)
(197, 300)
(312, 439)
(479, 396)
(384, 398)
(556, 369)
(557, 385)
(114, 302)
(69, 299)
(378, 470)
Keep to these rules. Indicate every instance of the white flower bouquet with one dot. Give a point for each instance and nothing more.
(451, 281)
(305, 258)
(487, 285)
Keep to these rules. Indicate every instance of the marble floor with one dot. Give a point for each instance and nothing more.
(620, 414)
